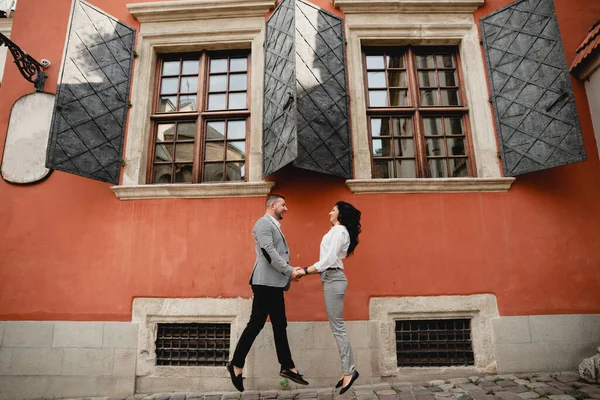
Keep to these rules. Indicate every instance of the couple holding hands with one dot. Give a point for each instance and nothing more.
(271, 277)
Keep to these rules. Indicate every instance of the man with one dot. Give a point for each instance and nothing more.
(270, 278)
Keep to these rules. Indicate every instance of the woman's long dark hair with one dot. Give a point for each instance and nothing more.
(349, 216)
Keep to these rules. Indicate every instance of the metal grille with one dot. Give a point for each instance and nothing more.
(434, 343)
(193, 344)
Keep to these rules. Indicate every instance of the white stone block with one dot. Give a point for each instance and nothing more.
(111, 386)
(27, 334)
(121, 335)
(2, 325)
(23, 387)
(5, 361)
(358, 333)
(78, 334)
(567, 356)
(556, 328)
(36, 361)
(90, 362)
(521, 357)
(511, 330)
(124, 364)
(72, 386)
(591, 323)
(157, 385)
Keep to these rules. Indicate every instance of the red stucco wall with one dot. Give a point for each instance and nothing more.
(70, 250)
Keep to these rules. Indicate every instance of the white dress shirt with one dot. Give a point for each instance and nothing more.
(334, 248)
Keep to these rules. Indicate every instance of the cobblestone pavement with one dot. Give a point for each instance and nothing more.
(552, 386)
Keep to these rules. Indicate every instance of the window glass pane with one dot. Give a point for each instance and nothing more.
(163, 152)
(383, 169)
(395, 61)
(184, 152)
(380, 127)
(168, 85)
(378, 98)
(432, 126)
(456, 146)
(165, 132)
(236, 150)
(167, 104)
(458, 167)
(382, 148)
(183, 173)
(376, 79)
(453, 125)
(189, 84)
(237, 101)
(216, 101)
(427, 78)
(215, 130)
(186, 131)
(437, 168)
(235, 171)
(435, 147)
(447, 78)
(218, 65)
(425, 61)
(397, 78)
(162, 173)
(406, 169)
(398, 97)
(429, 98)
(236, 129)
(404, 148)
(190, 67)
(238, 82)
(217, 83)
(375, 62)
(187, 103)
(215, 151)
(444, 61)
(238, 64)
(450, 97)
(170, 68)
(401, 127)
(213, 172)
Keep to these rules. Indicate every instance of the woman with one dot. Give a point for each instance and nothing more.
(337, 244)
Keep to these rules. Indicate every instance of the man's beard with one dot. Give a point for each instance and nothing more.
(279, 215)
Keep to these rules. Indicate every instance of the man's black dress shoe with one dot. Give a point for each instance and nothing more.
(355, 375)
(237, 381)
(293, 376)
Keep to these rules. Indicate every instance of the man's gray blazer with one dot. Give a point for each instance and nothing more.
(272, 266)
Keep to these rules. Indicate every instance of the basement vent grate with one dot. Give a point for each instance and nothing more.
(434, 343)
(193, 344)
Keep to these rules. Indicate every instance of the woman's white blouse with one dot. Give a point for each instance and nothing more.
(334, 248)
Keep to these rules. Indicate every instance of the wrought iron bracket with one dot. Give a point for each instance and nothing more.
(28, 66)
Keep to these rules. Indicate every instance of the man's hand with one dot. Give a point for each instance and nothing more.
(297, 274)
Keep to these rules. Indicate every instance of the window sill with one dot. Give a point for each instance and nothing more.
(431, 185)
(193, 191)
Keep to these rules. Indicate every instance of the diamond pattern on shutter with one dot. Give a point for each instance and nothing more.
(88, 125)
(533, 101)
(306, 97)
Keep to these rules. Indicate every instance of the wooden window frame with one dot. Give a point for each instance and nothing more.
(415, 111)
(202, 115)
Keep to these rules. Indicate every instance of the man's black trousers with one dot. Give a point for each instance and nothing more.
(268, 301)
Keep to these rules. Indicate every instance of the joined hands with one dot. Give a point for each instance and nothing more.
(297, 274)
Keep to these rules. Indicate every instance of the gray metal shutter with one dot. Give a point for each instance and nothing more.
(92, 100)
(533, 101)
(306, 97)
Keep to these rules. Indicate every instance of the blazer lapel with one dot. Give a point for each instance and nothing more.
(279, 229)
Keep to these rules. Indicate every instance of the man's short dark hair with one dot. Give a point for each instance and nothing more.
(272, 198)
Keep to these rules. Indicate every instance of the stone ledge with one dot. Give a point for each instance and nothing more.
(408, 6)
(180, 10)
(429, 185)
(193, 191)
